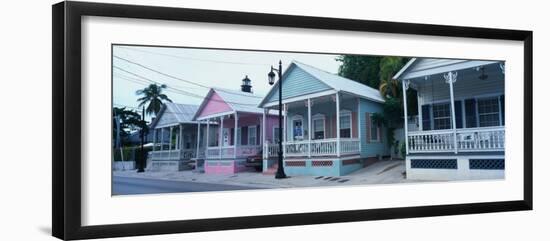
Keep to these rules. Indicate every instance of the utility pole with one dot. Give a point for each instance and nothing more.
(141, 154)
(118, 142)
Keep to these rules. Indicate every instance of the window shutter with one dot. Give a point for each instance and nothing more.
(368, 123)
(470, 110)
(502, 108)
(244, 135)
(458, 113)
(380, 134)
(232, 136)
(426, 118)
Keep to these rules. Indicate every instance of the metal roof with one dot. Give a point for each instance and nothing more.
(173, 114)
(420, 67)
(335, 81)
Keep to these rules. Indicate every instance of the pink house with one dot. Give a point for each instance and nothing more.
(234, 131)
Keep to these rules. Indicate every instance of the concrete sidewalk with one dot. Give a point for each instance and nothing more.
(382, 172)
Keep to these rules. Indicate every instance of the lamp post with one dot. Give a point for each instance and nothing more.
(271, 78)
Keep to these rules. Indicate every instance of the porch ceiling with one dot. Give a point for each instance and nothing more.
(492, 70)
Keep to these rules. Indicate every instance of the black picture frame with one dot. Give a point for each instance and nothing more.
(66, 127)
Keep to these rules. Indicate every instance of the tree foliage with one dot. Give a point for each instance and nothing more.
(361, 68)
(377, 72)
(129, 120)
(153, 97)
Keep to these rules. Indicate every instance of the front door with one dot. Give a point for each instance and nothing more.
(225, 137)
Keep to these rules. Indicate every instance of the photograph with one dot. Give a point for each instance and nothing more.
(192, 119)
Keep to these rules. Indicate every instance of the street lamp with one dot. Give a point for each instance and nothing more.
(271, 79)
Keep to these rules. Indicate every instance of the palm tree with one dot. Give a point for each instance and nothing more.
(154, 96)
(389, 87)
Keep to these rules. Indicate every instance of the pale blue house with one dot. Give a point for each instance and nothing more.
(328, 127)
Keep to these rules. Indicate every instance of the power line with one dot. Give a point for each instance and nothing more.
(174, 90)
(180, 79)
(195, 59)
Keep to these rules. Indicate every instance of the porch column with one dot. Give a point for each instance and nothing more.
(264, 147)
(154, 138)
(284, 129)
(180, 144)
(207, 135)
(170, 138)
(220, 142)
(450, 78)
(419, 111)
(338, 124)
(161, 139)
(198, 138)
(235, 136)
(405, 84)
(358, 124)
(309, 127)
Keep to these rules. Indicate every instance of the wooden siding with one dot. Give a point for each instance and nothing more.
(371, 149)
(215, 105)
(296, 83)
(329, 110)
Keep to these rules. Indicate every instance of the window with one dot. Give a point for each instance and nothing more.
(252, 135)
(345, 124)
(319, 127)
(374, 130)
(488, 112)
(297, 128)
(442, 116)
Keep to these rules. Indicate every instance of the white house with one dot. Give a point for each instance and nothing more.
(461, 120)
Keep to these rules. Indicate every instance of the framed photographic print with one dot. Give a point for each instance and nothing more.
(170, 120)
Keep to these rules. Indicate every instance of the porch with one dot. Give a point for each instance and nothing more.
(175, 143)
(317, 126)
(460, 106)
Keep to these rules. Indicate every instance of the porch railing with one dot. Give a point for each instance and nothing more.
(322, 147)
(270, 150)
(467, 139)
(214, 152)
(171, 155)
(229, 151)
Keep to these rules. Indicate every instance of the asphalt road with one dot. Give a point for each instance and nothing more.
(131, 185)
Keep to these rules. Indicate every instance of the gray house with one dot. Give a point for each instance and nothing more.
(174, 138)
(461, 121)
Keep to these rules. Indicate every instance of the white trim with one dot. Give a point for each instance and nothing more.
(402, 70)
(309, 127)
(216, 115)
(337, 96)
(235, 134)
(300, 98)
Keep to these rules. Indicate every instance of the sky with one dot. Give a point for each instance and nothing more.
(193, 70)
